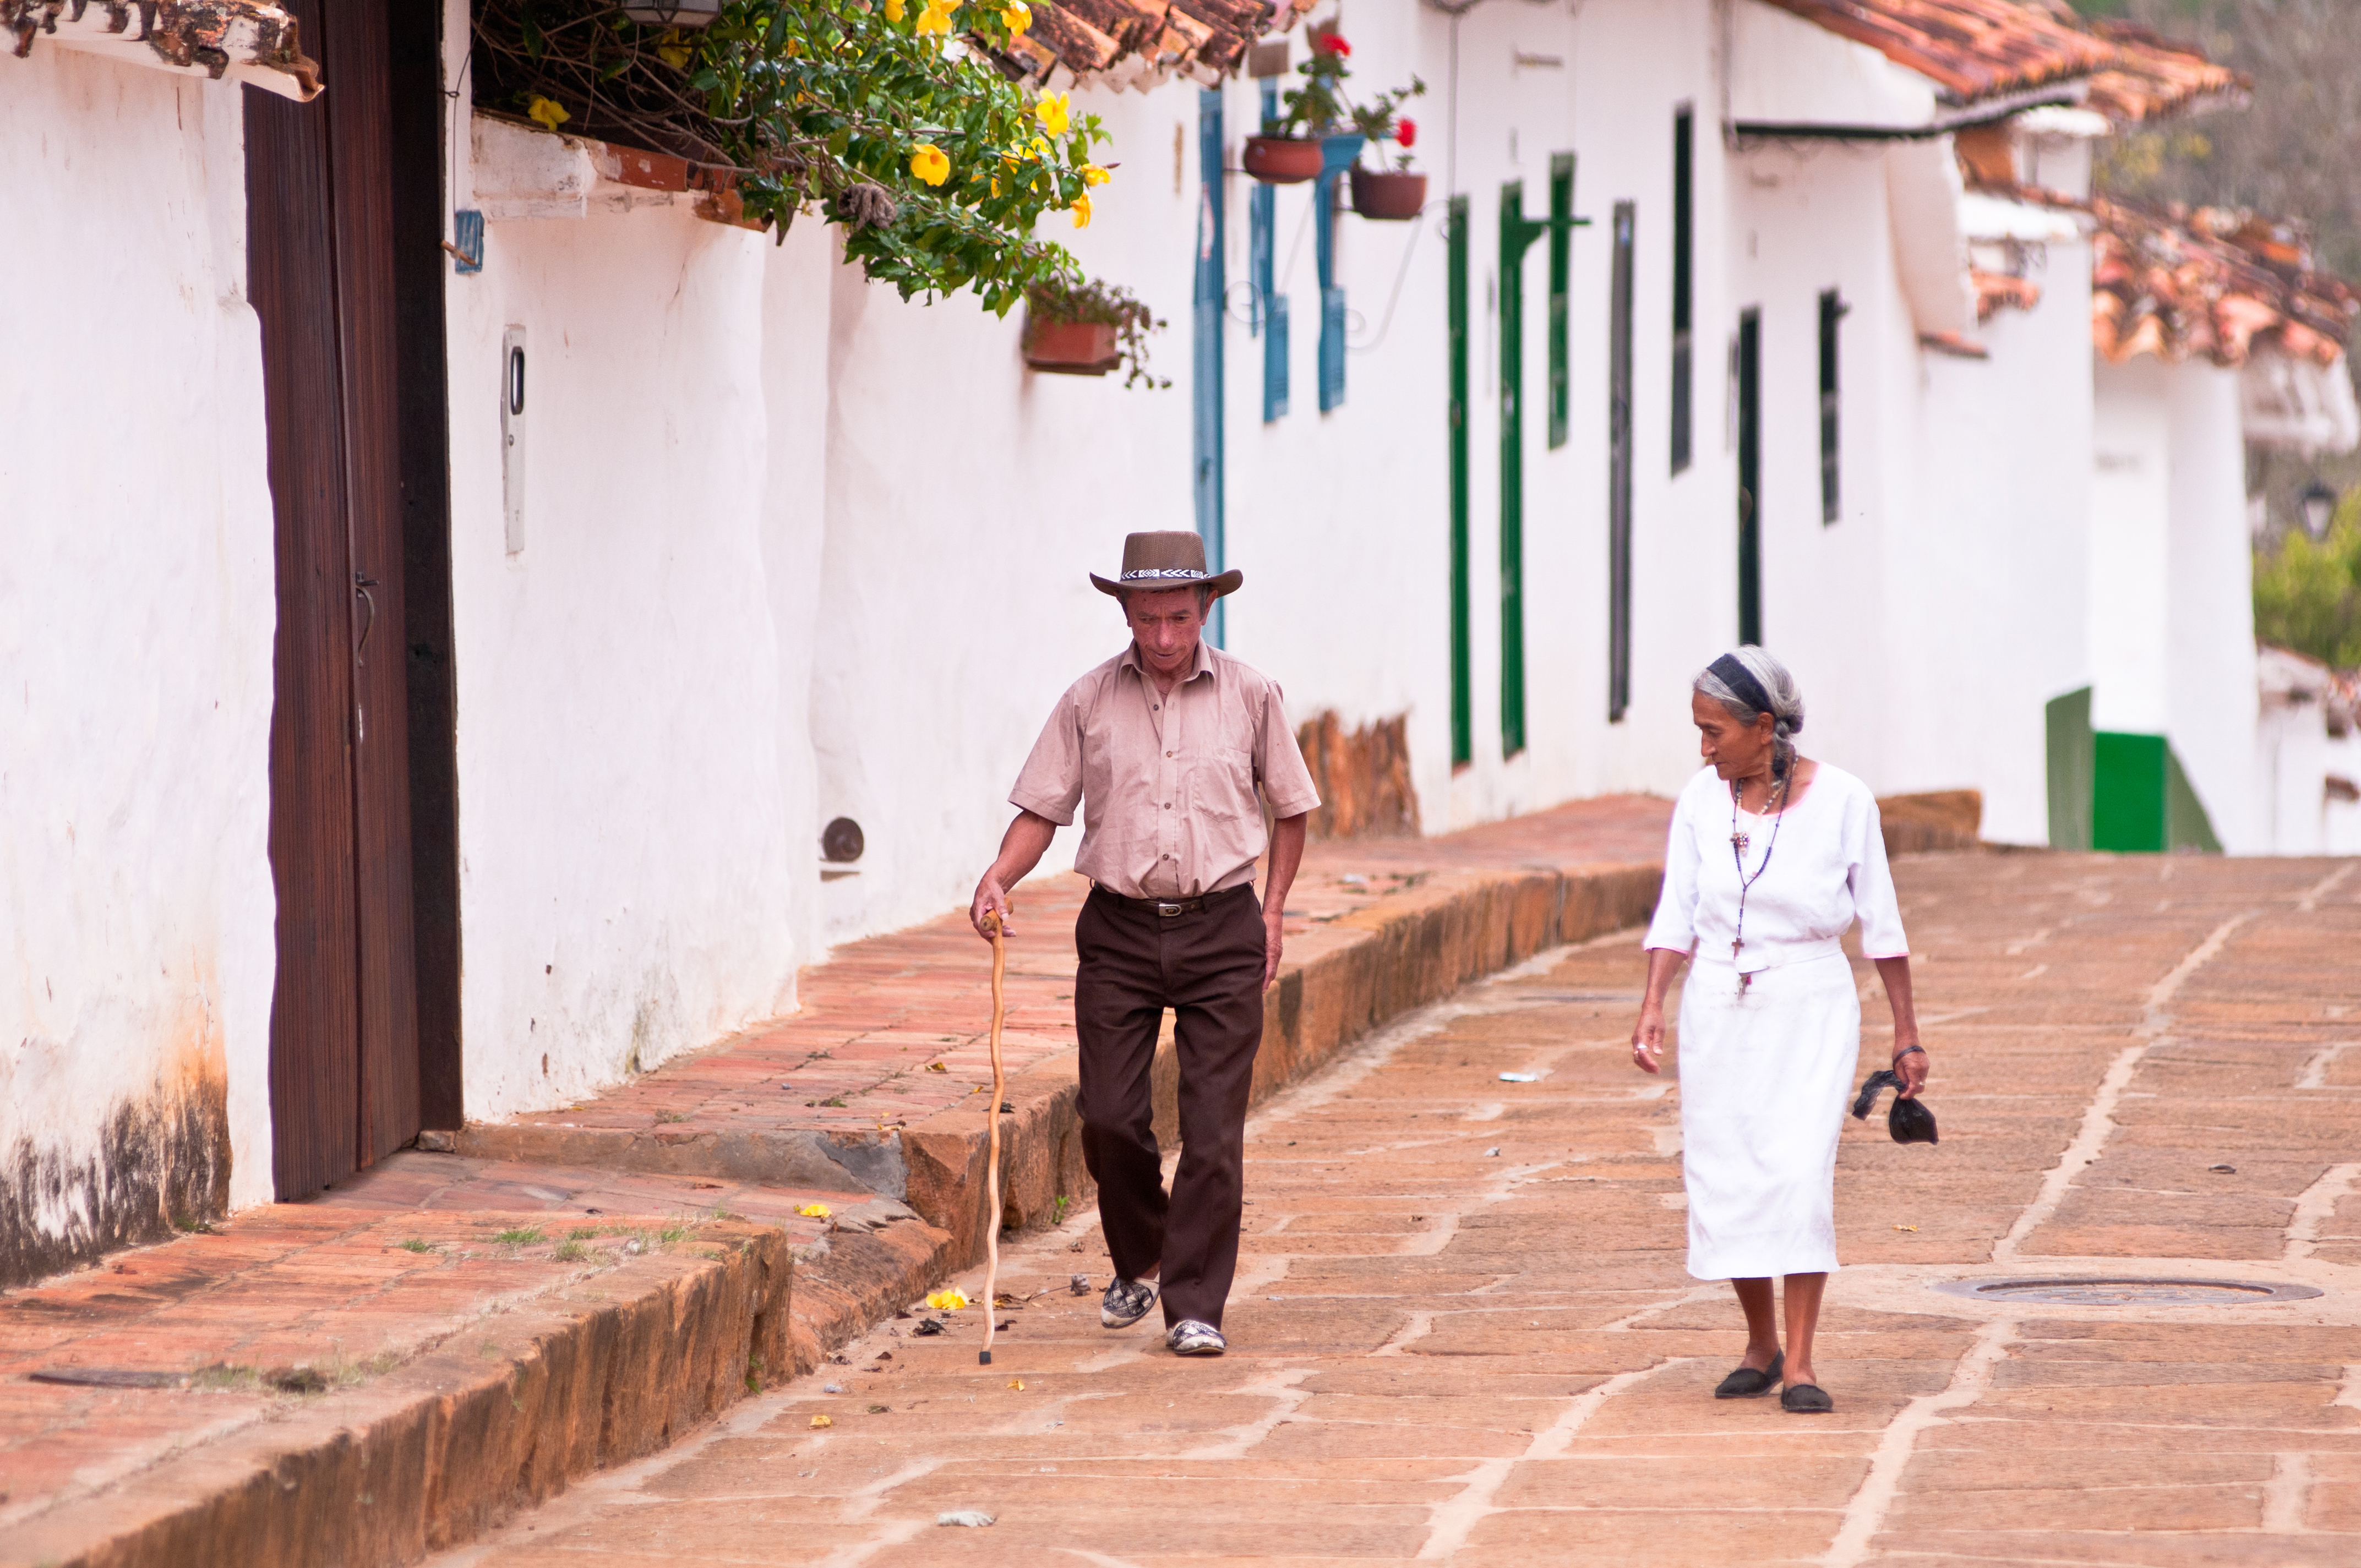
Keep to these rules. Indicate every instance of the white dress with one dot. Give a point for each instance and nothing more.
(1767, 1066)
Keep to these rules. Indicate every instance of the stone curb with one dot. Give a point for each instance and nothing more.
(432, 1452)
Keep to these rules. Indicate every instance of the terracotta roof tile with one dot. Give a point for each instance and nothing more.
(1969, 48)
(247, 41)
(1138, 42)
(1996, 290)
(2213, 282)
(2153, 76)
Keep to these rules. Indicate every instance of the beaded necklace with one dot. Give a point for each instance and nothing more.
(1738, 842)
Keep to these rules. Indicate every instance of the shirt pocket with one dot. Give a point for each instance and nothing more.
(1221, 784)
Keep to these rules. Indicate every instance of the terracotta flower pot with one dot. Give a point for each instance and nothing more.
(1070, 348)
(1389, 195)
(1283, 160)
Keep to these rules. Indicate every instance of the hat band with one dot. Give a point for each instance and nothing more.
(1187, 574)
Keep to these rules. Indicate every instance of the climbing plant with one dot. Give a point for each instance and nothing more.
(873, 115)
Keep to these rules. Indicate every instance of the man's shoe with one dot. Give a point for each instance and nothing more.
(1189, 1337)
(1126, 1302)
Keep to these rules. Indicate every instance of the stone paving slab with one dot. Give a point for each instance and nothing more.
(1444, 1353)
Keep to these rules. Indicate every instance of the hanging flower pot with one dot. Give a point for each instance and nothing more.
(1085, 326)
(1388, 195)
(1283, 160)
(1071, 349)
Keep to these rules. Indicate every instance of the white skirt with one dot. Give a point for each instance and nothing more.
(1764, 1078)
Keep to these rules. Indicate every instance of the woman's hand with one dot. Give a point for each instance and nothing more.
(1910, 1067)
(1648, 1039)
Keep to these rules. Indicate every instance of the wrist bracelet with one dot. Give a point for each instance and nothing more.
(1907, 1049)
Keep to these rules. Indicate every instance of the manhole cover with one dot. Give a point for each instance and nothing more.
(2128, 1292)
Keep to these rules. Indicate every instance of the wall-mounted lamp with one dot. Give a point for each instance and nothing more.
(842, 842)
(2319, 506)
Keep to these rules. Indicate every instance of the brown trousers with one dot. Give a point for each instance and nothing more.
(1206, 966)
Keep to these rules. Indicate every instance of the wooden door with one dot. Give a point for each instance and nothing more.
(344, 1032)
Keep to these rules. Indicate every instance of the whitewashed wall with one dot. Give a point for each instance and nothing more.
(626, 881)
(2209, 656)
(2172, 598)
(137, 950)
(1992, 562)
(1805, 219)
(2295, 755)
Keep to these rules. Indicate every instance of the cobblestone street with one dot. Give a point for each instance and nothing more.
(1463, 1330)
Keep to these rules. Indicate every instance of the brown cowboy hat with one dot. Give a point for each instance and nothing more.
(1153, 563)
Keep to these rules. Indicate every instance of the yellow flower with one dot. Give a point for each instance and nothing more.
(1093, 175)
(947, 1301)
(935, 18)
(1055, 112)
(1017, 17)
(548, 111)
(673, 51)
(894, 10)
(930, 163)
(1081, 210)
(822, 1422)
(813, 1210)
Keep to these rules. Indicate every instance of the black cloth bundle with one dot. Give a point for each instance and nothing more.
(1909, 1120)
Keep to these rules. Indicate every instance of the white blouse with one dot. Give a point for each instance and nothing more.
(1826, 869)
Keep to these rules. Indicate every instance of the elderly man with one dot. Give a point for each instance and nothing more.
(1164, 746)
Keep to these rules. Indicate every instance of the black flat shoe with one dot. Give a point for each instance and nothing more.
(1748, 1384)
(1807, 1399)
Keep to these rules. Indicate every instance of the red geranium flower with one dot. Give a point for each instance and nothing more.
(1330, 43)
(1405, 131)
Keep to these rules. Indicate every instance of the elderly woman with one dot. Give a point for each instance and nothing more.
(1773, 857)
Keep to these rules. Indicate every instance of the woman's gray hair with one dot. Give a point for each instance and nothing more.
(1787, 698)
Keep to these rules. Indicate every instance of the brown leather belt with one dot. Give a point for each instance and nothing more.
(1166, 908)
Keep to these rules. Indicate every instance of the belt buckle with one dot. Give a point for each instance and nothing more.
(1169, 911)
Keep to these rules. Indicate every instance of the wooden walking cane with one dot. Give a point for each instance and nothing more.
(991, 1164)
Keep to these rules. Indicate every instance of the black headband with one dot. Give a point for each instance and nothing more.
(1741, 682)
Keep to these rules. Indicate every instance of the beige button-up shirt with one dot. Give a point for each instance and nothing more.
(1167, 786)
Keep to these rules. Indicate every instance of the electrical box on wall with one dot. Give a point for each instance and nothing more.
(513, 434)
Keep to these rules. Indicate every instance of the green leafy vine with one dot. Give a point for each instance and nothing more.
(877, 117)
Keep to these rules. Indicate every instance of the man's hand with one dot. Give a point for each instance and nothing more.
(991, 899)
(1285, 854)
(1021, 848)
